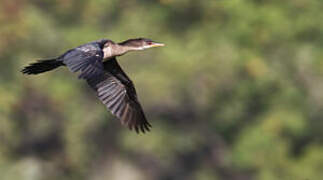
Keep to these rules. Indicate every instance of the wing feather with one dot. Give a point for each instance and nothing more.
(112, 85)
(86, 59)
(118, 94)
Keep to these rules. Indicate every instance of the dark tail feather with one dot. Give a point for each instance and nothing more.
(42, 66)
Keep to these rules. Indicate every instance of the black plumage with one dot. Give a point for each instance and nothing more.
(113, 87)
(118, 93)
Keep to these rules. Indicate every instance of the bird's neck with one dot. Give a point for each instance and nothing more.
(118, 50)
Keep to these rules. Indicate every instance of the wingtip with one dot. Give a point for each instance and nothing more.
(142, 128)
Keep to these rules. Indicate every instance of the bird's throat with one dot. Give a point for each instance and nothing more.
(117, 50)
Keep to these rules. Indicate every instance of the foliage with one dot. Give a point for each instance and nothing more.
(235, 94)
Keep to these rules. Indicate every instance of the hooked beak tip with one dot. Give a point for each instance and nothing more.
(158, 45)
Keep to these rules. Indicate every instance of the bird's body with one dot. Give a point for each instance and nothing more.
(96, 63)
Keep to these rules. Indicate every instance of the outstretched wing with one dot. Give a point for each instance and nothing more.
(86, 59)
(117, 92)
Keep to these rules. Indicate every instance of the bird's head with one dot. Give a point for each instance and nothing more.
(140, 43)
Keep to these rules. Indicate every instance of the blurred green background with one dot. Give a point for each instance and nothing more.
(236, 93)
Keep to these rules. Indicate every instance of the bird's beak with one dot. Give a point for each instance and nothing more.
(156, 44)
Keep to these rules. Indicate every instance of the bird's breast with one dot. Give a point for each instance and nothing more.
(107, 53)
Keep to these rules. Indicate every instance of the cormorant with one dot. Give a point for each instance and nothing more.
(96, 63)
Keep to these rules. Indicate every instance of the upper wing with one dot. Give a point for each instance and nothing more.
(117, 92)
(87, 59)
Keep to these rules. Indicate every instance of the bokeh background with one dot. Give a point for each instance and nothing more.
(237, 93)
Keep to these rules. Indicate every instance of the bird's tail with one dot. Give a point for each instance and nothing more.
(41, 66)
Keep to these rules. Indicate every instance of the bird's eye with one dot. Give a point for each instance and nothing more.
(149, 43)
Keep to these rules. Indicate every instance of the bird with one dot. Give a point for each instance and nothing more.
(96, 63)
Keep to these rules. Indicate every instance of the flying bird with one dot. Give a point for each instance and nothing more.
(96, 63)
